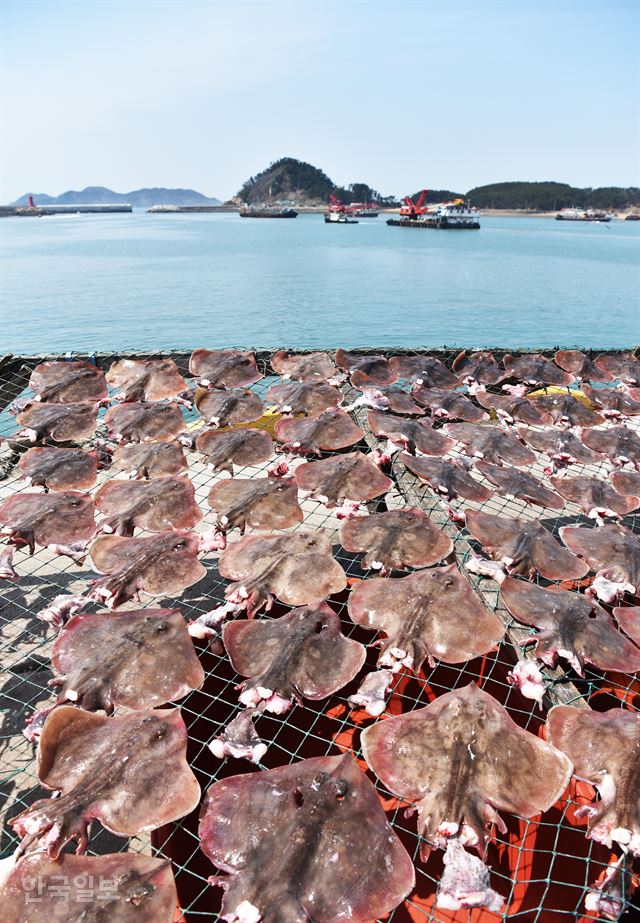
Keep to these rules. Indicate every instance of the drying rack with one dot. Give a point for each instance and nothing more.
(544, 867)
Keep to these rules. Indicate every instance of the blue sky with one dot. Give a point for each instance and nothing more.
(399, 95)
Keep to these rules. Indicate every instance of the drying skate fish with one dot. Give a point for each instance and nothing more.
(625, 366)
(144, 421)
(58, 422)
(449, 478)
(626, 483)
(68, 382)
(491, 443)
(524, 547)
(572, 625)
(424, 370)
(520, 485)
(312, 367)
(567, 410)
(341, 478)
(240, 739)
(298, 568)
(613, 552)
(535, 369)
(411, 435)
(510, 408)
(389, 397)
(332, 429)
(224, 368)
(619, 443)
(451, 405)
(58, 519)
(460, 761)
(7, 570)
(150, 459)
(225, 408)
(122, 888)
(59, 469)
(136, 659)
(613, 402)
(609, 894)
(163, 564)
(465, 883)
(562, 447)
(595, 497)
(156, 505)
(584, 368)
(308, 841)
(302, 654)
(129, 772)
(242, 447)
(365, 370)
(304, 397)
(146, 379)
(604, 748)
(396, 540)
(260, 503)
(430, 615)
(372, 692)
(480, 368)
(628, 618)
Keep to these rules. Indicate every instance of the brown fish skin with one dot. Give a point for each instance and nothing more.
(331, 430)
(626, 483)
(535, 369)
(155, 505)
(395, 540)
(310, 367)
(628, 618)
(572, 625)
(611, 550)
(425, 370)
(388, 397)
(304, 397)
(136, 659)
(144, 421)
(412, 435)
(595, 497)
(130, 772)
(68, 382)
(514, 408)
(562, 446)
(460, 761)
(302, 654)
(581, 366)
(146, 379)
(121, 887)
(525, 546)
(343, 477)
(150, 459)
(366, 370)
(624, 366)
(62, 518)
(160, 565)
(224, 368)
(567, 410)
(446, 477)
(613, 402)
(451, 405)
(309, 841)
(490, 443)
(59, 422)
(605, 750)
(430, 615)
(520, 485)
(260, 503)
(619, 443)
(298, 568)
(243, 447)
(480, 367)
(60, 469)
(226, 408)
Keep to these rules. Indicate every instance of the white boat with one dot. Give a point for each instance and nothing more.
(338, 217)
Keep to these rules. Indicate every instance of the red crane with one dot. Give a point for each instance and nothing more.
(412, 209)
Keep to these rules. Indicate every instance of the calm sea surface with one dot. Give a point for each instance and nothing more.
(103, 282)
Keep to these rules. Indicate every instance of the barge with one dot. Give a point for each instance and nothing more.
(259, 212)
(449, 216)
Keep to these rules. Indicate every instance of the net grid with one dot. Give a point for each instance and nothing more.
(543, 867)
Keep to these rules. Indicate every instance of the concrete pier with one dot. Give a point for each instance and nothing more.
(24, 211)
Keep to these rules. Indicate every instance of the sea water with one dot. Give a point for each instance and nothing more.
(136, 281)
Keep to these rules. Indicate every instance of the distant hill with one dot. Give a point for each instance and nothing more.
(139, 198)
(546, 197)
(300, 183)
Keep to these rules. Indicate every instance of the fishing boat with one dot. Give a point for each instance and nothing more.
(582, 214)
(336, 217)
(256, 211)
(452, 216)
